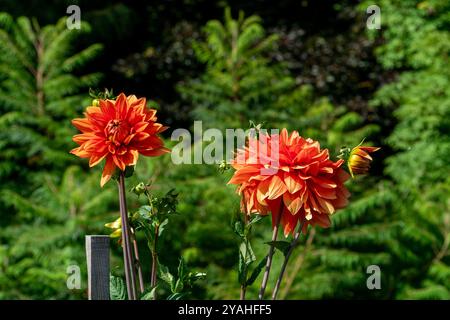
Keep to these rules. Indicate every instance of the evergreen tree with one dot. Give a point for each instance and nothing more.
(47, 235)
(42, 87)
(417, 41)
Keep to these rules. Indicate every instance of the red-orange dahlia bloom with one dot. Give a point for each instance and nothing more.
(305, 184)
(118, 131)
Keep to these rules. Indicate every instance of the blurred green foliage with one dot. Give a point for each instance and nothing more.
(327, 77)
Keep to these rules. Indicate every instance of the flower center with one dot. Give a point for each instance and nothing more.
(113, 126)
(117, 130)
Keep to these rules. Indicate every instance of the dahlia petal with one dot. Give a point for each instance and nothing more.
(322, 220)
(314, 203)
(80, 152)
(133, 101)
(289, 223)
(162, 129)
(96, 159)
(276, 188)
(107, 108)
(325, 192)
(82, 124)
(342, 176)
(130, 158)
(244, 174)
(328, 170)
(121, 106)
(118, 162)
(81, 138)
(284, 136)
(263, 190)
(326, 205)
(323, 155)
(293, 203)
(155, 152)
(325, 183)
(141, 126)
(107, 171)
(340, 202)
(369, 149)
(363, 154)
(293, 183)
(313, 168)
(274, 207)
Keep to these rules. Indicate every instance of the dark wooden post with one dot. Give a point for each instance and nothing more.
(97, 254)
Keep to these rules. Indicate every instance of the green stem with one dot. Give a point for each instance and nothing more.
(154, 261)
(270, 255)
(130, 275)
(292, 246)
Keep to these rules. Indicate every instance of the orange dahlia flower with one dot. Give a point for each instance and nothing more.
(359, 160)
(304, 185)
(118, 131)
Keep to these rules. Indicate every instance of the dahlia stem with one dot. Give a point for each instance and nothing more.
(298, 264)
(244, 286)
(292, 246)
(243, 290)
(270, 255)
(138, 262)
(130, 275)
(155, 261)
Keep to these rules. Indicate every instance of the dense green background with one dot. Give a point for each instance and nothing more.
(305, 65)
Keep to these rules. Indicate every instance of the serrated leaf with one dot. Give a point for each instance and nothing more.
(117, 289)
(179, 285)
(165, 275)
(241, 269)
(255, 219)
(283, 246)
(256, 271)
(194, 276)
(150, 295)
(129, 171)
(145, 212)
(162, 226)
(247, 253)
(181, 269)
(238, 228)
(176, 296)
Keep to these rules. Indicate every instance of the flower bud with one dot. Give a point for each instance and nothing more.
(139, 189)
(359, 160)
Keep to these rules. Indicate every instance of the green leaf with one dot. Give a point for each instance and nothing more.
(194, 276)
(179, 285)
(181, 269)
(242, 269)
(239, 228)
(176, 296)
(283, 246)
(256, 271)
(245, 249)
(117, 289)
(129, 171)
(165, 275)
(145, 212)
(150, 295)
(255, 219)
(162, 226)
